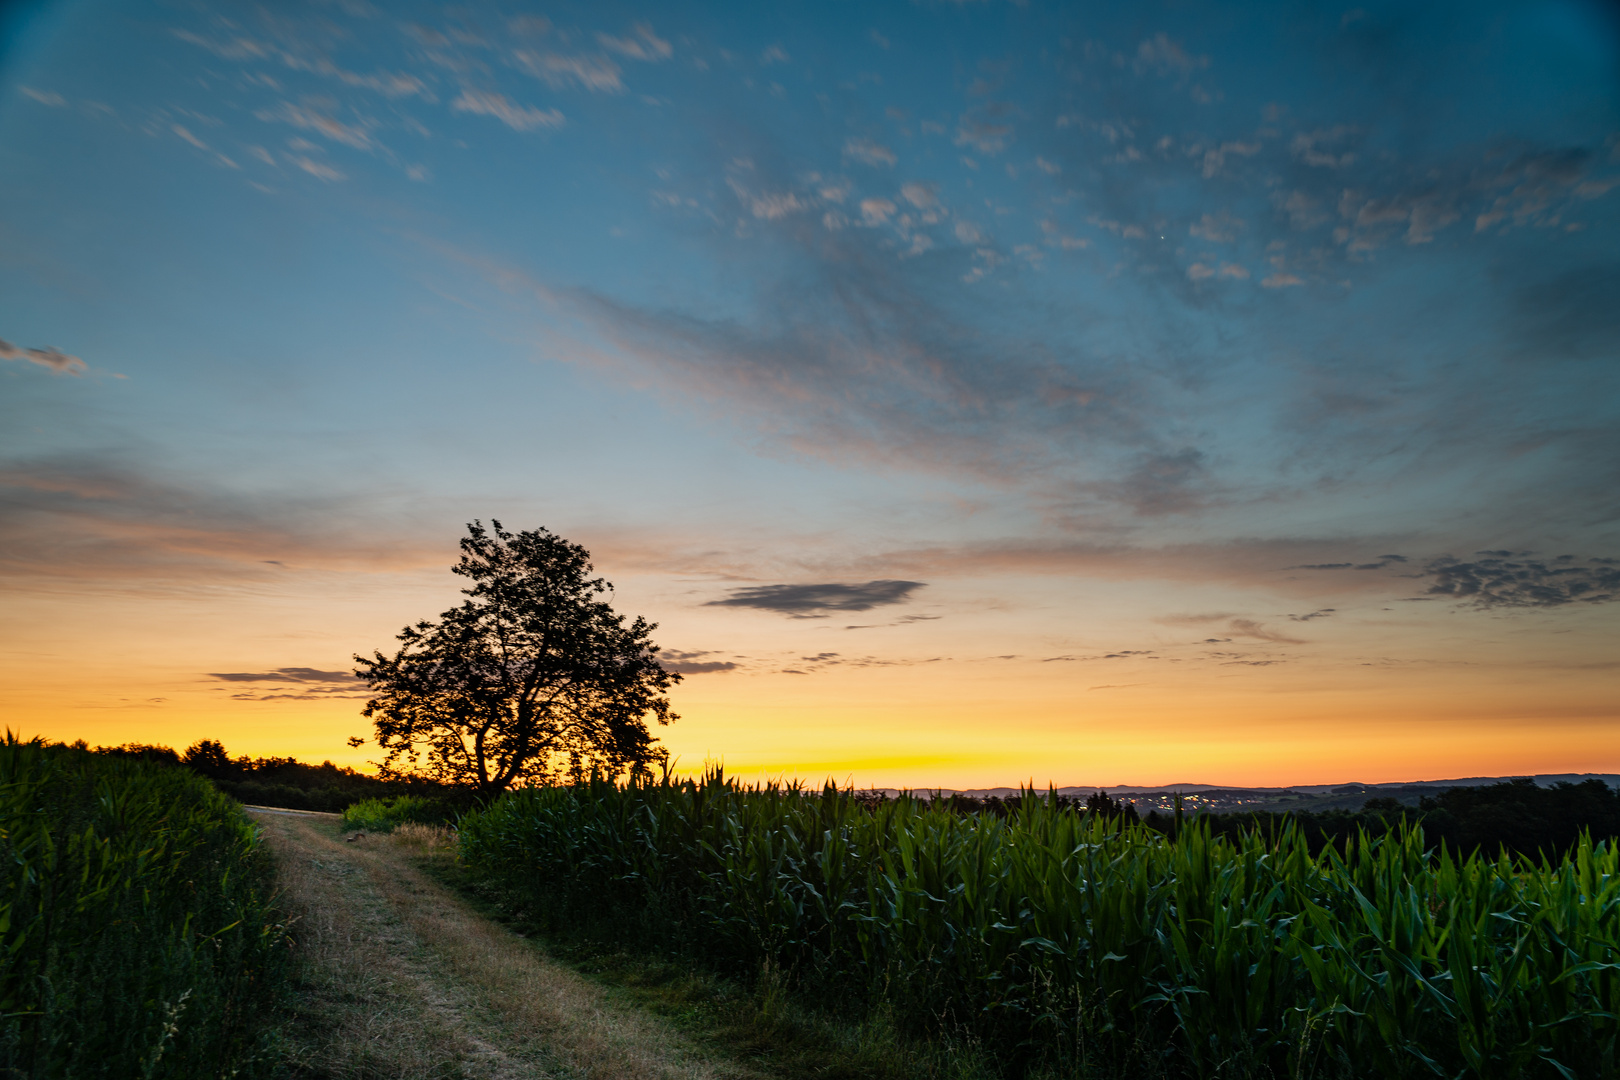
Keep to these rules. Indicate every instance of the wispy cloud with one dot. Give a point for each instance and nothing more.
(869, 153)
(595, 73)
(96, 516)
(44, 97)
(314, 118)
(643, 45)
(516, 117)
(987, 129)
(1250, 628)
(54, 360)
(319, 170)
(1163, 56)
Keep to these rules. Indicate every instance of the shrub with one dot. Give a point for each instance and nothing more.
(384, 815)
(136, 938)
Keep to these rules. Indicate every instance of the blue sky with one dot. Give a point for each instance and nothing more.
(1145, 312)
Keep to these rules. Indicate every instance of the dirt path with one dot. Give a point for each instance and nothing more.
(400, 978)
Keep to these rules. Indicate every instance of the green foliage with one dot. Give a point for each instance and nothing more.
(1081, 942)
(384, 815)
(135, 934)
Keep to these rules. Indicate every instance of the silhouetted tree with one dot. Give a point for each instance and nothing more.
(208, 756)
(531, 678)
(1098, 802)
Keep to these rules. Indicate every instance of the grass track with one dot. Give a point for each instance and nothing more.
(399, 977)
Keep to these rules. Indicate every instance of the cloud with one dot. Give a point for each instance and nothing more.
(1161, 483)
(1235, 627)
(645, 45)
(1320, 613)
(804, 599)
(1216, 228)
(985, 129)
(44, 97)
(317, 169)
(309, 684)
(1571, 315)
(516, 117)
(1163, 56)
(288, 674)
(1194, 620)
(96, 517)
(238, 48)
(691, 663)
(773, 206)
(1383, 561)
(314, 119)
(55, 360)
(868, 152)
(1122, 654)
(594, 73)
(1215, 156)
(1501, 579)
(188, 137)
(1249, 628)
(919, 194)
(877, 211)
(773, 55)
(893, 367)
(1315, 148)
(699, 667)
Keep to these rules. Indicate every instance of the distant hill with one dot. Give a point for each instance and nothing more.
(1213, 797)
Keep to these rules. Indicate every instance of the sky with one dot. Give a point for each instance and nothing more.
(973, 393)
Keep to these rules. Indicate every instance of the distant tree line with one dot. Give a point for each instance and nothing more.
(1518, 816)
(284, 781)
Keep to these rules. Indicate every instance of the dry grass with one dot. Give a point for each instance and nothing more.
(400, 978)
(434, 841)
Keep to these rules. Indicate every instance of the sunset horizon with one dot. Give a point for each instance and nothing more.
(974, 395)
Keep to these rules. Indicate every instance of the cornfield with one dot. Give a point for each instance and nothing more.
(135, 940)
(1071, 944)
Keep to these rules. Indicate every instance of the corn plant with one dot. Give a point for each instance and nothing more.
(135, 934)
(1061, 936)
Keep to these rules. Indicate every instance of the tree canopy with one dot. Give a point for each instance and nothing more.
(533, 678)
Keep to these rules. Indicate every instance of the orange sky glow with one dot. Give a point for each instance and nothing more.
(974, 394)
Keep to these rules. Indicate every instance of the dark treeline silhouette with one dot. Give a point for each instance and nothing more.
(1516, 816)
(282, 781)
(1002, 807)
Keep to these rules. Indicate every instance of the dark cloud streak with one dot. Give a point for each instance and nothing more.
(287, 674)
(806, 599)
